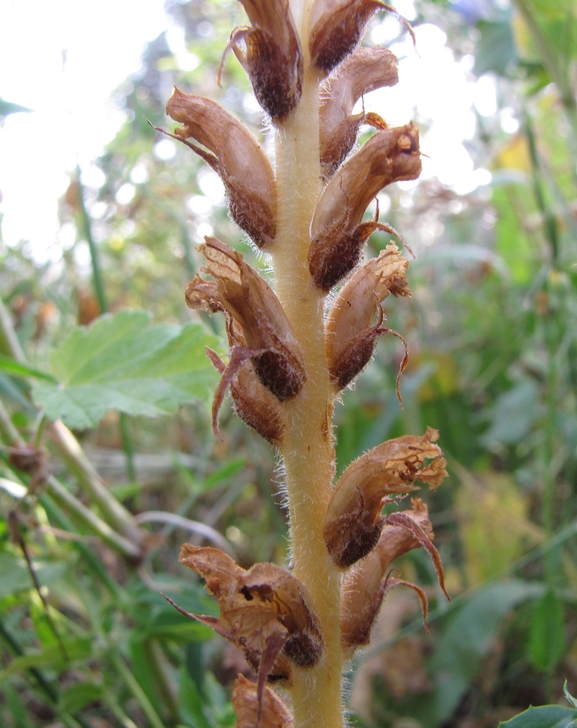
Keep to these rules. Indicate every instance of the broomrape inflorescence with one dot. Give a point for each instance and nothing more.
(291, 353)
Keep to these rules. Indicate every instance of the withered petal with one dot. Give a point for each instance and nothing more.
(256, 406)
(265, 611)
(365, 586)
(336, 27)
(270, 712)
(249, 301)
(273, 57)
(402, 520)
(235, 154)
(350, 338)
(337, 231)
(363, 71)
(353, 523)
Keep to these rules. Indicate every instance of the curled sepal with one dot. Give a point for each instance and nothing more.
(255, 317)
(270, 713)
(365, 586)
(264, 611)
(350, 338)
(253, 403)
(337, 26)
(234, 153)
(271, 56)
(364, 70)
(354, 523)
(337, 230)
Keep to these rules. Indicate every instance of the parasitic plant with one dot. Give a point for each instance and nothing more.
(292, 350)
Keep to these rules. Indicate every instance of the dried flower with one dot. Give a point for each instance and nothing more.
(337, 26)
(337, 233)
(257, 324)
(354, 523)
(237, 157)
(264, 611)
(364, 70)
(272, 713)
(366, 584)
(273, 57)
(253, 402)
(350, 338)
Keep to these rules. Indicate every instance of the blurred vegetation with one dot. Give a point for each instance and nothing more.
(88, 536)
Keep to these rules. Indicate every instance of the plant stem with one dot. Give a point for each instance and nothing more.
(65, 500)
(88, 479)
(308, 452)
(136, 690)
(9, 343)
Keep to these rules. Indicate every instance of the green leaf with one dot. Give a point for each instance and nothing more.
(52, 656)
(77, 697)
(465, 641)
(547, 716)
(23, 370)
(496, 51)
(17, 710)
(15, 577)
(569, 697)
(171, 624)
(513, 415)
(191, 702)
(123, 363)
(547, 635)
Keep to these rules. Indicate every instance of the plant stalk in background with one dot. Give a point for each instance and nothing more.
(292, 351)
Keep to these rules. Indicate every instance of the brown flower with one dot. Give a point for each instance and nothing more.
(253, 402)
(236, 156)
(256, 322)
(272, 55)
(366, 584)
(337, 230)
(271, 713)
(350, 339)
(337, 26)
(354, 523)
(264, 611)
(363, 71)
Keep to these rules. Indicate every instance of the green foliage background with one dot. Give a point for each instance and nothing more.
(492, 332)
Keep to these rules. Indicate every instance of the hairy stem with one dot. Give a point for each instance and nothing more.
(308, 452)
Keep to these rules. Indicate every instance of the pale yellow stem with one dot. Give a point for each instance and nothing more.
(308, 452)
